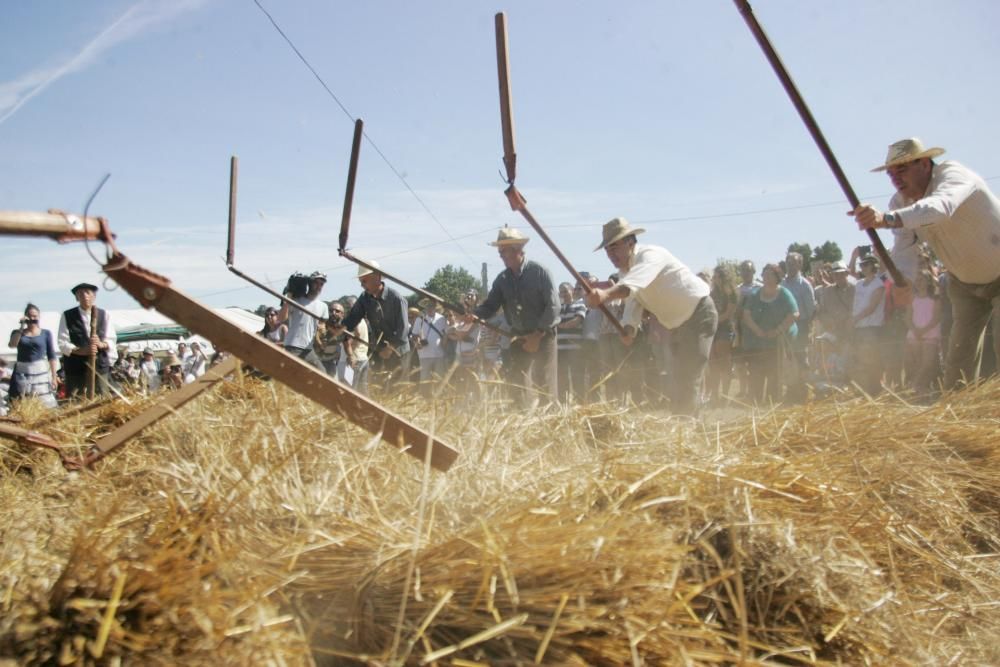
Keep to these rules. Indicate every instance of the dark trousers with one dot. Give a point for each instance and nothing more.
(972, 306)
(691, 345)
(80, 384)
(533, 374)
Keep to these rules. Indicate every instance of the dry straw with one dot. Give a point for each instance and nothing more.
(252, 527)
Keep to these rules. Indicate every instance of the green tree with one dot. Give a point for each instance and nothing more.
(828, 252)
(450, 283)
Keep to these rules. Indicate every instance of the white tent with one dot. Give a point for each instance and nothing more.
(122, 319)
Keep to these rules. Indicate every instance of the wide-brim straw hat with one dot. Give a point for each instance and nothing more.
(615, 230)
(508, 236)
(364, 270)
(907, 150)
(838, 267)
(171, 360)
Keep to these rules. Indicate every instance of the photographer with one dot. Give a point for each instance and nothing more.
(35, 370)
(173, 373)
(427, 334)
(304, 290)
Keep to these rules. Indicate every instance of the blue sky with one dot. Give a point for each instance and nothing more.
(664, 112)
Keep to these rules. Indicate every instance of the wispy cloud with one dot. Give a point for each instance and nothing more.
(136, 20)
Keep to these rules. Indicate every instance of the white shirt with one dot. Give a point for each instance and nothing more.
(66, 346)
(960, 218)
(430, 328)
(863, 292)
(662, 285)
(302, 327)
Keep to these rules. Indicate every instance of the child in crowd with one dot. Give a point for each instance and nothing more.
(923, 338)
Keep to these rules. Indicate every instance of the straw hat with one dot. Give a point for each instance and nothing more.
(509, 236)
(907, 150)
(838, 267)
(615, 230)
(171, 360)
(364, 270)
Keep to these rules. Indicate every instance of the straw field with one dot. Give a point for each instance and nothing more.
(254, 528)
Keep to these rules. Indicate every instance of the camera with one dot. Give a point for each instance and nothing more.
(297, 285)
(864, 250)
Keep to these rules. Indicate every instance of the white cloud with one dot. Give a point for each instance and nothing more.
(137, 19)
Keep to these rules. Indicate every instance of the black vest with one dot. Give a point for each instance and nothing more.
(75, 365)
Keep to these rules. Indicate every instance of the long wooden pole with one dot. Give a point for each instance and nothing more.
(517, 201)
(813, 127)
(345, 226)
(352, 173)
(231, 255)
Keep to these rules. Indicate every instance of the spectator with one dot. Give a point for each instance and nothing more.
(78, 343)
(833, 314)
(527, 295)
(330, 344)
(769, 315)
(951, 208)
(741, 368)
(34, 372)
(590, 343)
(867, 317)
(655, 280)
(172, 375)
(569, 335)
(150, 371)
(725, 296)
(466, 334)
(274, 330)
(923, 340)
(427, 335)
(196, 363)
(805, 299)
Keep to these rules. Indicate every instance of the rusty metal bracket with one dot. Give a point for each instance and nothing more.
(155, 291)
(55, 224)
(36, 439)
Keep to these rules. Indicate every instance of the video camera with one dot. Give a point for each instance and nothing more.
(297, 285)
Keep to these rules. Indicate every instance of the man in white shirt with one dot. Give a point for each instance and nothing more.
(78, 344)
(654, 280)
(951, 208)
(427, 334)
